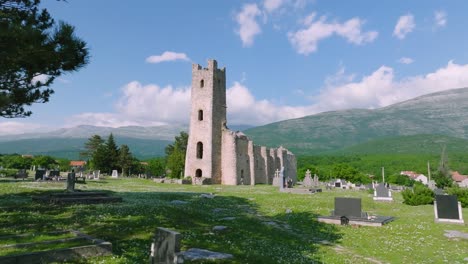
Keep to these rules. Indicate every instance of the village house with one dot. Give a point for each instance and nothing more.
(461, 180)
(415, 176)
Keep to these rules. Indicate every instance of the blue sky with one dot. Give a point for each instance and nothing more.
(284, 58)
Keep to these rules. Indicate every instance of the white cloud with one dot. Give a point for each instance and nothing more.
(241, 104)
(381, 88)
(248, 25)
(12, 127)
(144, 105)
(404, 26)
(440, 18)
(150, 105)
(405, 60)
(272, 5)
(167, 56)
(305, 41)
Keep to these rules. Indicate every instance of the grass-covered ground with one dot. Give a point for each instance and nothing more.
(260, 229)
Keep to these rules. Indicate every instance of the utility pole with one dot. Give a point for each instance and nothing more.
(383, 174)
(429, 171)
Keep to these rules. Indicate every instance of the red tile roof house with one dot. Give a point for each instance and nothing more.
(461, 180)
(415, 176)
(77, 163)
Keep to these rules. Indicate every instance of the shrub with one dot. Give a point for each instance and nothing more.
(461, 193)
(8, 172)
(419, 195)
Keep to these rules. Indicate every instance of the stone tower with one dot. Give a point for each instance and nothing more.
(207, 119)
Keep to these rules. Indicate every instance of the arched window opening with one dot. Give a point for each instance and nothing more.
(200, 150)
(198, 173)
(202, 83)
(200, 115)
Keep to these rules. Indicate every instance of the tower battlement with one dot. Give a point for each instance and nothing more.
(212, 66)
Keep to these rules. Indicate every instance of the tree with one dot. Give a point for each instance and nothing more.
(91, 146)
(176, 155)
(16, 162)
(125, 159)
(176, 163)
(112, 152)
(442, 177)
(180, 143)
(34, 51)
(46, 162)
(156, 167)
(100, 160)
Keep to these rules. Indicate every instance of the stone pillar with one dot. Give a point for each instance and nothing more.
(71, 181)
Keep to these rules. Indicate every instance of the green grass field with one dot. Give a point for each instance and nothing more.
(261, 232)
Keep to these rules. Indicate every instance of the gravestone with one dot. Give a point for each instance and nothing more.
(307, 182)
(431, 184)
(349, 211)
(447, 209)
(115, 174)
(165, 246)
(71, 181)
(315, 182)
(22, 174)
(349, 207)
(96, 174)
(338, 184)
(54, 173)
(281, 179)
(39, 174)
(382, 193)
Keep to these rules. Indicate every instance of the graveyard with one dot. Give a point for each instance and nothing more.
(259, 223)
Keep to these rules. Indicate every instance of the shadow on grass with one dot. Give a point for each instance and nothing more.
(250, 237)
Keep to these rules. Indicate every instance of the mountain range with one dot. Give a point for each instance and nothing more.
(423, 122)
(442, 113)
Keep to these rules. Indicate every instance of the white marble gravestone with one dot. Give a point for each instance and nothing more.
(115, 174)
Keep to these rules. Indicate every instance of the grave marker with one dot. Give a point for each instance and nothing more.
(71, 181)
(382, 193)
(115, 174)
(39, 174)
(165, 246)
(447, 209)
(349, 211)
(349, 207)
(315, 181)
(307, 182)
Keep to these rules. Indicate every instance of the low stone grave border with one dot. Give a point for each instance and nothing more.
(77, 197)
(96, 248)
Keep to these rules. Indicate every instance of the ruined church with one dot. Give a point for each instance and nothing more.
(217, 154)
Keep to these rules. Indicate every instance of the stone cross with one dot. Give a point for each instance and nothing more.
(316, 180)
(308, 174)
(277, 173)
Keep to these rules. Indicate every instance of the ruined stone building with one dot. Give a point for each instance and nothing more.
(214, 152)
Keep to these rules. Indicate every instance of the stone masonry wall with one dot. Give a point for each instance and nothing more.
(224, 156)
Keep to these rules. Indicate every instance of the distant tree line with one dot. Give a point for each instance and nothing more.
(16, 161)
(358, 168)
(104, 155)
